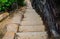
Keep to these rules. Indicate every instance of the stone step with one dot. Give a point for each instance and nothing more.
(28, 23)
(30, 19)
(32, 28)
(31, 14)
(31, 35)
(12, 27)
(30, 9)
(17, 18)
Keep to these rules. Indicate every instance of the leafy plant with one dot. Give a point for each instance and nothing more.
(21, 2)
(6, 4)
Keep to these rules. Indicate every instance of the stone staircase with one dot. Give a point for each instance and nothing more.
(31, 26)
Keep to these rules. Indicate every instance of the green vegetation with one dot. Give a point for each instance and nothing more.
(6, 4)
(21, 2)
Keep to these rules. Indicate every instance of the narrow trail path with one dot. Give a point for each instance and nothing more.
(31, 25)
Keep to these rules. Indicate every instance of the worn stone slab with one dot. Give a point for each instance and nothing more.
(32, 28)
(32, 35)
(31, 14)
(34, 19)
(4, 15)
(16, 18)
(12, 28)
(28, 23)
(9, 35)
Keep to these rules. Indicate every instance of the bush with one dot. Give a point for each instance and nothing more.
(21, 2)
(6, 4)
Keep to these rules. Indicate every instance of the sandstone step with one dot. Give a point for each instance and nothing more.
(33, 14)
(30, 19)
(28, 23)
(31, 9)
(32, 28)
(28, 11)
(34, 18)
(16, 18)
(32, 35)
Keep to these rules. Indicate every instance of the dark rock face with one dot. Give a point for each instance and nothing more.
(46, 9)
